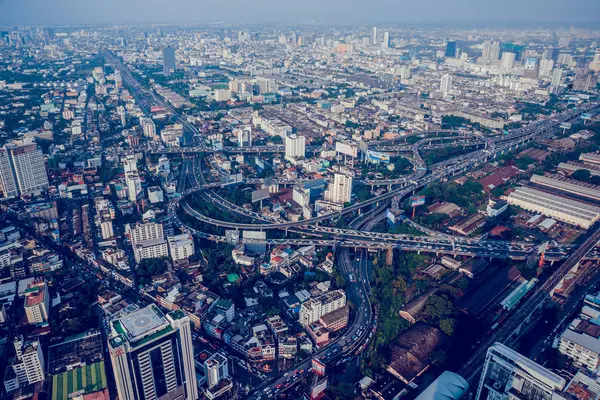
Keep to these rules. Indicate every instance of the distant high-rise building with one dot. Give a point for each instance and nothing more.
(510, 375)
(564, 42)
(245, 136)
(546, 66)
(168, 61)
(491, 50)
(531, 68)
(547, 54)
(386, 40)
(374, 35)
(295, 146)
(149, 128)
(340, 190)
(451, 49)
(129, 164)
(508, 60)
(446, 84)
(22, 169)
(134, 185)
(556, 77)
(118, 80)
(152, 355)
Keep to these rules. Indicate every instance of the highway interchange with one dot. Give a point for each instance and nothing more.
(358, 235)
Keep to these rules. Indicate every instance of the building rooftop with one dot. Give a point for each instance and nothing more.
(140, 323)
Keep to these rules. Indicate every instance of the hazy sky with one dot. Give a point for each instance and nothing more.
(17, 12)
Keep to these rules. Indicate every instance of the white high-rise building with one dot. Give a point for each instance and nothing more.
(491, 50)
(152, 355)
(374, 35)
(22, 169)
(546, 67)
(215, 369)
(386, 40)
(556, 77)
(446, 84)
(181, 247)
(148, 241)
(508, 60)
(147, 231)
(295, 146)
(149, 128)
(315, 308)
(130, 164)
(29, 362)
(510, 375)
(340, 191)
(134, 186)
(245, 136)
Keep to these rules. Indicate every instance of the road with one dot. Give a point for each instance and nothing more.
(356, 336)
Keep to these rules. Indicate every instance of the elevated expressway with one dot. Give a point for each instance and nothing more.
(404, 186)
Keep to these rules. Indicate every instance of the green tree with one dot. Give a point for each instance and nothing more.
(582, 175)
(448, 326)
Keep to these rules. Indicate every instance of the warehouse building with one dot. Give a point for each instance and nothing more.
(561, 208)
(571, 186)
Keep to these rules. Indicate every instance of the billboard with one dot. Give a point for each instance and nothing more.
(318, 367)
(231, 179)
(349, 149)
(260, 194)
(391, 216)
(255, 241)
(565, 125)
(318, 389)
(376, 156)
(416, 201)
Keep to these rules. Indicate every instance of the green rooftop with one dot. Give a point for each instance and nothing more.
(86, 379)
(177, 314)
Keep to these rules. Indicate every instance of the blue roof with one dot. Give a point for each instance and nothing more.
(447, 386)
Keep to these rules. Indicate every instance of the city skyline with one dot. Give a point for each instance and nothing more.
(469, 12)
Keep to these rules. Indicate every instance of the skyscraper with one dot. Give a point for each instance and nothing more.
(295, 146)
(22, 169)
(374, 35)
(451, 49)
(386, 40)
(340, 191)
(546, 66)
(509, 375)
(149, 128)
(508, 60)
(152, 355)
(446, 84)
(491, 50)
(556, 77)
(168, 61)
